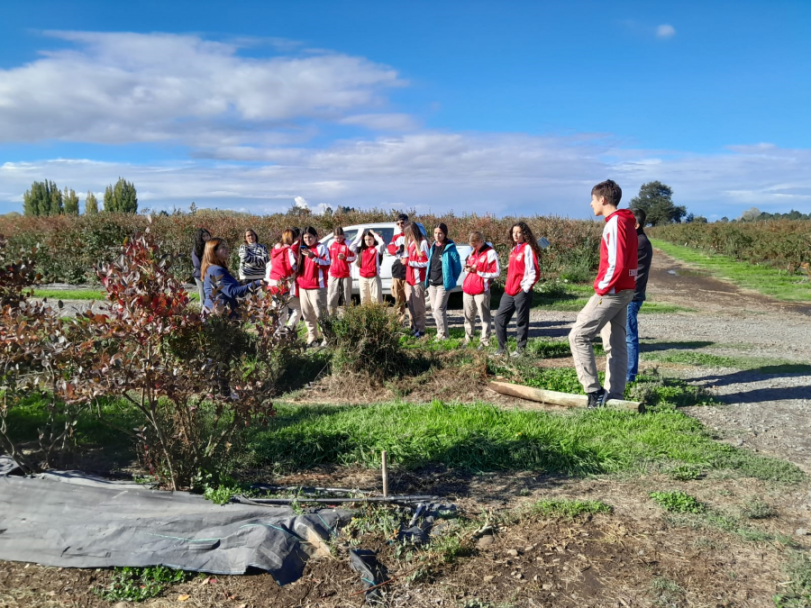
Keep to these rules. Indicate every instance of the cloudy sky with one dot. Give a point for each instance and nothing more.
(501, 107)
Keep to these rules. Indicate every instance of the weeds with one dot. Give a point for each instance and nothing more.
(139, 584)
(567, 509)
(687, 472)
(677, 502)
(754, 508)
(798, 592)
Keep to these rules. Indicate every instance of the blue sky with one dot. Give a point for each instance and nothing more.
(504, 107)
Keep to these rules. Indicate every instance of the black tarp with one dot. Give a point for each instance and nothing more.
(71, 519)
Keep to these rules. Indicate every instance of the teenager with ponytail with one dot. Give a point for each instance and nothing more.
(280, 274)
(522, 273)
(201, 237)
(311, 280)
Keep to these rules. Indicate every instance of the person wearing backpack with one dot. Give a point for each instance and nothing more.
(444, 268)
(397, 248)
(481, 269)
(522, 274)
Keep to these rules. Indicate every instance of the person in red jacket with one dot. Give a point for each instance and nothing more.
(397, 248)
(369, 246)
(416, 268)
(606, 313)
(523, 272)
(341, 255)
(280, 273)
(481, 269)
(311, 280)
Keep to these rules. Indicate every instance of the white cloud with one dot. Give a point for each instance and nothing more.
(119, 88)
(382, 122)
(501, 174)
(301, 202)
(665, 31)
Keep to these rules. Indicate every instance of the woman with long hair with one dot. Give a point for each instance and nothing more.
(416, 271)
(481, 269)
(522, 273)
(280, 275)
(369, 246)
(341, 255)
(311, 280)
(200, 238)
(219, 286)
(444, 268)
(253, 257)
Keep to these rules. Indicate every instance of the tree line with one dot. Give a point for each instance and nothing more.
(46, 199)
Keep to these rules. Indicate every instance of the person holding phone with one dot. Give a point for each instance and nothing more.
(481, 269)
(311, 280)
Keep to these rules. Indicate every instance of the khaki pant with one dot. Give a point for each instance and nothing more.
(335, 288)
(398, 292)
(371, 290)
(415, 298)
(439, 306)
(477, 305)
(313, 305)
(295, 304)
(607, 316)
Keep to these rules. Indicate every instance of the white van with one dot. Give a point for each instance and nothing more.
(386, 231)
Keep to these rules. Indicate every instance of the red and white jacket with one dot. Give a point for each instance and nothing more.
(280, 270)
(314, 271)
(369, 257)
(417, 264)
(618, 254)
(523, 270)
(340, 268)
(485, 262)
(397, 241)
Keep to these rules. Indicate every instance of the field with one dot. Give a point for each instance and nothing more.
(701, 501)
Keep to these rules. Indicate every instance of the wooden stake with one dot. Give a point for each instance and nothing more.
(555, 398)
(384, 457)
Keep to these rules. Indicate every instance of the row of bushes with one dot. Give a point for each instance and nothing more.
(784, 244)
(69, 247)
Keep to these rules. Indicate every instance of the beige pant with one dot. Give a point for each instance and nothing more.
(415, 298)
(398, 292)
(477, 305)
(295, 304)
(607, 316)
(439, 306)
(371, 290)
(336, 287)
(313, 305)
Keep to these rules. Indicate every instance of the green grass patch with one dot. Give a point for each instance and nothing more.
(677, 502)
(762, 365)
(797, 594)
(767, 280)
(567, 509)
(98, 295)
(139, 584)
(483, 437)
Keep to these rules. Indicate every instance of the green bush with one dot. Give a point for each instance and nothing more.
(677, 502)
(366, 339)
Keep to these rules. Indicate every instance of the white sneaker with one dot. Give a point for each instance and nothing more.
(323, 343)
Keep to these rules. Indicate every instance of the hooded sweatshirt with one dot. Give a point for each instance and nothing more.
(618, 254)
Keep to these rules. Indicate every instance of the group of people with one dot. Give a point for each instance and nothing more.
(309, 279)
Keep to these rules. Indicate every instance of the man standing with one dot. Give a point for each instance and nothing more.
(644, 257)
(397, 248)
(607, 310)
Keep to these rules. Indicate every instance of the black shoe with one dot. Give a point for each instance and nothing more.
(597, 399)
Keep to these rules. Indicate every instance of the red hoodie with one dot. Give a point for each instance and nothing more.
(314, 273)
(618, 254)
(340, 268)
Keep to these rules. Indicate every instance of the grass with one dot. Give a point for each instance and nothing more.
(563, 508)
(677, 502)
(98, 295)
(764, 279)
(139, 584)
(483, 437)
(797, 594)
(762, 365)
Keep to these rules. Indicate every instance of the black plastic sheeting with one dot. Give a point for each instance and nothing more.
(75, 520)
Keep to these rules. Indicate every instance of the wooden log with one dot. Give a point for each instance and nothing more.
(555, 398)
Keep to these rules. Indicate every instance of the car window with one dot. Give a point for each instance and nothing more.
(386, 234)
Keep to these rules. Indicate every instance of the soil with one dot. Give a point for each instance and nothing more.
(636, 556)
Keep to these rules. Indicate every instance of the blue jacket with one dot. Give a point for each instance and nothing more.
(451, 265)
(229, 287)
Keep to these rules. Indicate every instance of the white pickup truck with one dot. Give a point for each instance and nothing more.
(386, 231)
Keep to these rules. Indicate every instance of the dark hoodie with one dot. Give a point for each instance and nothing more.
(644, 256)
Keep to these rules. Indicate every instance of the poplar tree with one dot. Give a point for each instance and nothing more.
(91, 204)
(71, 202)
